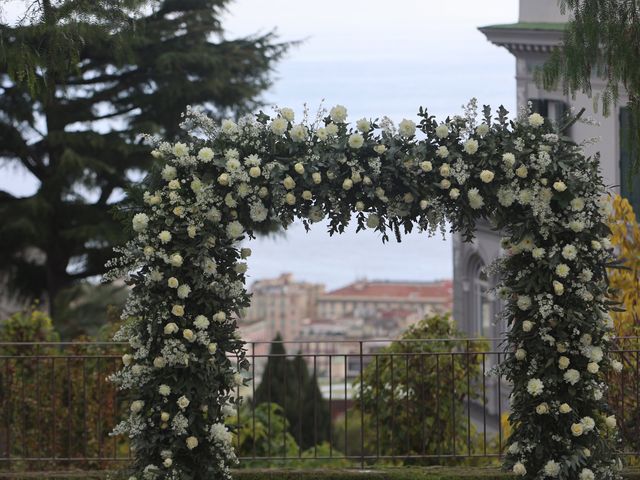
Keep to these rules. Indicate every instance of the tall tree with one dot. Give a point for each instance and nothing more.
(79, 81)
(602, 40)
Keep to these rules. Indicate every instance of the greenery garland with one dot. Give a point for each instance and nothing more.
(187, 269)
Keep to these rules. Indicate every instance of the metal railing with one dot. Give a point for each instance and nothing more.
(349, 403)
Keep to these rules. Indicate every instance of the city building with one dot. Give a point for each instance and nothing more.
(283, 303)
(530, 40)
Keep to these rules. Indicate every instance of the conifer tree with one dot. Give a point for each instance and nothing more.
(79, 81)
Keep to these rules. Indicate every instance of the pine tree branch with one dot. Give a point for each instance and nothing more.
(14, 146)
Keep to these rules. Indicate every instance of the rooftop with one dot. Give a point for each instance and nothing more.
(528, 26)
(442, 289)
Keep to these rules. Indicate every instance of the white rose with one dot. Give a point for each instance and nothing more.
(332, 129)
(577, 429)
(289, 183)
(235, 229)
(565, 408)
(170, 328)
(137, 406)
(160, 362)
(380, 149)
(169, 173)
(298, 133)
(183, 402)
(522, 171)
(287, 113)
(521, 354)
(177, 310)
(442, 152)
(220, 317)
(611, 422)
(552, 469)
(192, 442)
(201, 322)
(140, 222)
(542, 409)
(524, 302)
(176, 260)
(527, 326)
(255, 172)
(426, 166)
(213, 348)
(454, 193)
(558, 288)
(347, 184)
(290, 199)
(559, 186)
(593, 367)
(165, 416)
(519, 469)
(509, 159)
(223, 179)
(188, 335)
(167, 462)
(563, 363)
(487, 176)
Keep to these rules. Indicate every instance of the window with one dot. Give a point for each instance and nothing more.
(553, 110)
(629, 180)
(481, 300)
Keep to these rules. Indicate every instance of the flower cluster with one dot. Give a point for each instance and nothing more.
(187, 268)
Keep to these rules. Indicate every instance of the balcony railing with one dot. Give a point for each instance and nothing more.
(419, 402)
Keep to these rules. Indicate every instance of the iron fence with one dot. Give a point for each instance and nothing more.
(350, 403)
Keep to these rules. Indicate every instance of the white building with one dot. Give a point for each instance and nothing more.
(538, 30)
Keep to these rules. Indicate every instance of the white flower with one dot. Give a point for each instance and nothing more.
(454, 193)
(597, 394)
(332, 129)
(373, 221)
(238, 379)
(519, 469)
(242, 267)
(188, 335)
(140, 222)
(289, 183)
(565, 408)
(482, 129)
(535, 387)
(569, 252)
(593, 367)
(176, 260)
(563, 363)
(184, 291)
(521, 354)
(298, 133)
(542, 408)
(596, 354)
(552, 469)
(235, 229)
(475, 199)
(527, 326)
(167, 462)
(160, 362)
(192, 442)
(255, 172)
(445, 170)
(363, 125)
(407, 128)
(213, 348)
(229, 127)
(524, 302)
(220, 317)
(442, 152)
(233, 165)
(127, 359)
(169, 173)
(558, 288)
(164, 236)
(562, 270)
(471, 146)
(205, 154)
(536, 120)
(577, 429)
(183, 402)
(576, 225)
(316, 177)
(279, 125)
(588, 423)
(219, 433)
(509, 159)
(223, 179)
(559, 186)
(571, 376)
(170, 328)
(538, 253)
(514, 448)
(596, 245)
(338, 114)
(201, 322)
(355, 140)
(442, 130)
(487, 176)
(165, 416)
(164, 390)
(380, 149)
(616, 365)
(287, 113)
(586, 474)
(522, 171)
(347, 184)
(180, 150)
(177, 310)
(137, 406)
(611, 422)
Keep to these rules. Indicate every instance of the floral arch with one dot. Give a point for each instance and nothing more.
(187, 268)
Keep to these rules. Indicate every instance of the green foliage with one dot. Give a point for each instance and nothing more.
(287, 382)
(415, 392)
(80, 80)
(30, 325)
(602, 39)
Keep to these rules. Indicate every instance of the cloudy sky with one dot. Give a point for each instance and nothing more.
(377, 58)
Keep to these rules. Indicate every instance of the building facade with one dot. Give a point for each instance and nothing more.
(530, 40)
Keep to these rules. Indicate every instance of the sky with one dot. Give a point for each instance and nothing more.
(377, 58)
